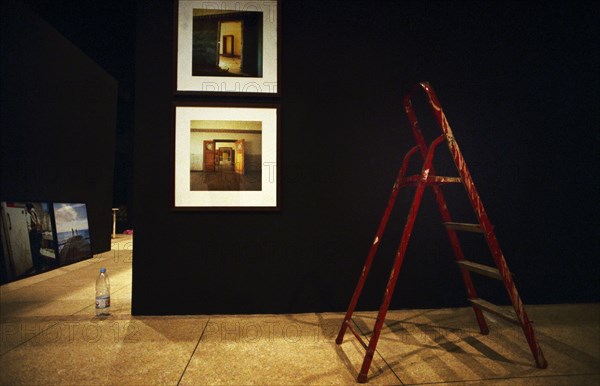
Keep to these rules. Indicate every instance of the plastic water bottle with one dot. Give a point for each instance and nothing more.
(102, 294)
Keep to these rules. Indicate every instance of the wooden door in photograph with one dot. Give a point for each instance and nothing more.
(239, 156)
(228, 45)
(205, 45)
(209, 156)
(252, 59)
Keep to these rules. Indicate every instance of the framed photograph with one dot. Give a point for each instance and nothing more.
(28, 238)
(73, 232)
(227, 46)
(226, 157)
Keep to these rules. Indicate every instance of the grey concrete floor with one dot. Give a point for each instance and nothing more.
(50, 335)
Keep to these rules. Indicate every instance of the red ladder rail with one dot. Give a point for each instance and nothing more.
(428, 177)
(445, 213)
(486, 225)
(400, 253)
(382, 224)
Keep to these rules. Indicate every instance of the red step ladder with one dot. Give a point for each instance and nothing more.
(429, 178)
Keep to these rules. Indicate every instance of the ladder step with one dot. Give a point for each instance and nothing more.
(481, 269)
(356, 334)
(496, 310)
(459, 226)
(431, 180)
(444, 180)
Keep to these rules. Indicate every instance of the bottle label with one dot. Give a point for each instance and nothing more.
(102, 302)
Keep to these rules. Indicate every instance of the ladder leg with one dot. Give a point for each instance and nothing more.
(535, 348)
(481, 215)
(492, 242)
(488, 231)
(513, 294)
(375, 245)
(391, 285)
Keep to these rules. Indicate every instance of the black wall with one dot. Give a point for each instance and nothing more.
(58, 118)
(519, 85)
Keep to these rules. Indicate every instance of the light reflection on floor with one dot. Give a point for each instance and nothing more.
(232, 65)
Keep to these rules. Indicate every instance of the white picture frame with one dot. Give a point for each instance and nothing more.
(256, 71)
(197, 186)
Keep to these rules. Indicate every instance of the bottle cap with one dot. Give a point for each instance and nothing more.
(102, 270)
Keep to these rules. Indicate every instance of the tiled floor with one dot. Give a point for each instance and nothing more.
(49, 335)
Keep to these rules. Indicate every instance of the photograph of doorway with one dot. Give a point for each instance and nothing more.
(227, 43)
(225, 155)
(227, 46)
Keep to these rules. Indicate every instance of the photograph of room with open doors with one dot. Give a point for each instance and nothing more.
(225, 155)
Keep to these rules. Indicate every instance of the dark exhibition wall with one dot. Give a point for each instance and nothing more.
(58, 118)
(519, 85)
